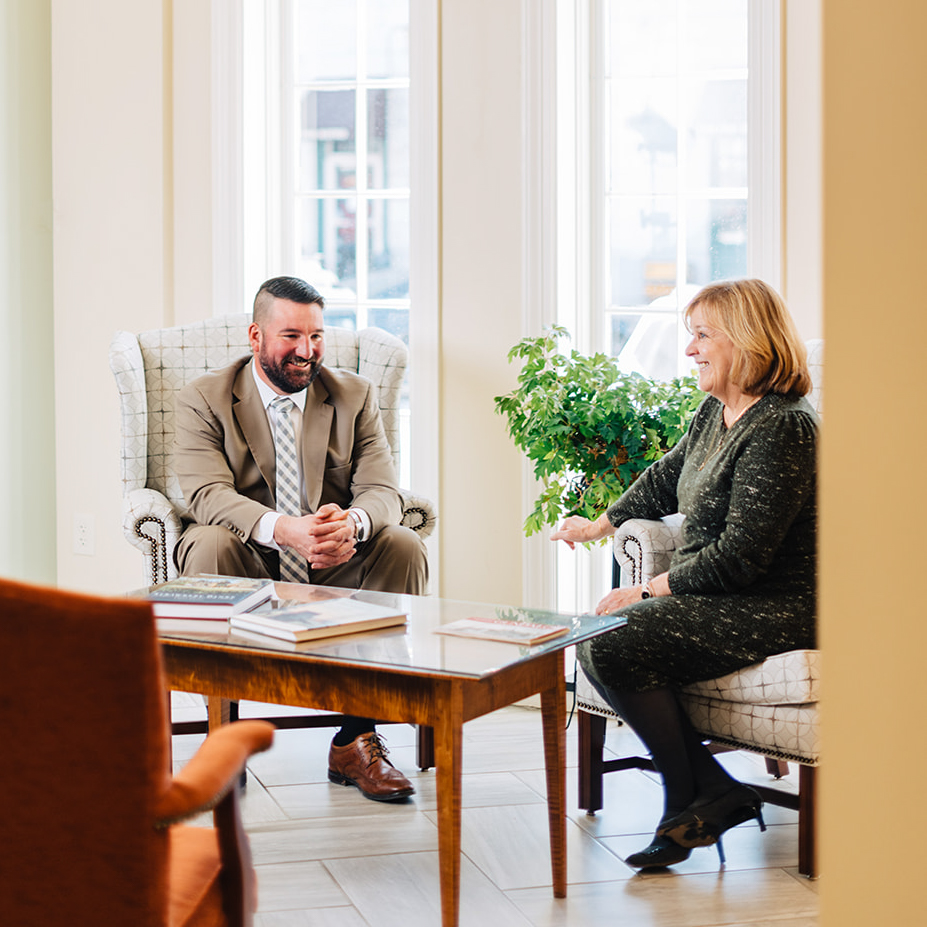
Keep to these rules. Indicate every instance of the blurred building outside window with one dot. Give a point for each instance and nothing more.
(327, 119)
(675, 173)
(686, 136)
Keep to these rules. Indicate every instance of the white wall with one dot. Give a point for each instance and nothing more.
(27, 369)
(481, 296)
(113, 262)
(802, 186)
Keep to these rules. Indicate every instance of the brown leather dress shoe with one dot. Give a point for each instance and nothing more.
(363, 763)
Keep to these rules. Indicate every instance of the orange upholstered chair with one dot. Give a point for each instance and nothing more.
(87, 801)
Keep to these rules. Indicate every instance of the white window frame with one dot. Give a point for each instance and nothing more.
(247, 89)
(563, 80)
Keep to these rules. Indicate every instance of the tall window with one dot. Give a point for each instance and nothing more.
(681, 192)
(332, 93)
(673, 178)
(346, 166)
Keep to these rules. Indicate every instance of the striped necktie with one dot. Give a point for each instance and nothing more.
(293, 567)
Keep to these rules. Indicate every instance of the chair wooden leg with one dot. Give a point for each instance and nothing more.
(591, 765)
(425, 747)
(807, 822)
(776, 768)
(237, 874)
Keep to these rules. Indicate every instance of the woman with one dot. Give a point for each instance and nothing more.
(741, 585)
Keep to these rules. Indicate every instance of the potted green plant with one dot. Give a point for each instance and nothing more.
(589, 428)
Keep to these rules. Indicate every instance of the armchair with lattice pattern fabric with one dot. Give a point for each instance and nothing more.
(152, 366)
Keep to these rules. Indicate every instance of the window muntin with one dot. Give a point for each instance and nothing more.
(676, 215)
(346, 76)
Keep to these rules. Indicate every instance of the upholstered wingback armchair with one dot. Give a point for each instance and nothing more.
(770, 708)
(152, 366)
(91, 811)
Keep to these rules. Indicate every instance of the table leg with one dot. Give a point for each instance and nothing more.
(553, 710)
(218, 712)
(448, 734)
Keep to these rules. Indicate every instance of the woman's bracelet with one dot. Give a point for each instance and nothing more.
(646, 591)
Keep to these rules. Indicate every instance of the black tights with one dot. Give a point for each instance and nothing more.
(687, 766)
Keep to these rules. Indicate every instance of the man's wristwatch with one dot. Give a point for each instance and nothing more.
(646, 591)
(358, 524)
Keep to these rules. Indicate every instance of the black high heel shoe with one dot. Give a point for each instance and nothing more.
(662, 852)
(703, 822)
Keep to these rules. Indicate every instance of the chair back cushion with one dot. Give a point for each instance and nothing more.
(151, 367)
(85, 754)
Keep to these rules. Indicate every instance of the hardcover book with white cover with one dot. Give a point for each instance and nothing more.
(303, 621)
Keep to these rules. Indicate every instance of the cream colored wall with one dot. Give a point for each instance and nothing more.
(801, 285)
(481, 293)
(873, 621)
(114, 267)
(133, 190)
(27, 375)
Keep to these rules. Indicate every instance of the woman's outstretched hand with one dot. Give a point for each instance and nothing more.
(579, 530)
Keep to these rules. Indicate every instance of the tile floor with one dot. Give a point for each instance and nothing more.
(327, 856)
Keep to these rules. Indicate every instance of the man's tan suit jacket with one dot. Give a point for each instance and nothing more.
(224, 452)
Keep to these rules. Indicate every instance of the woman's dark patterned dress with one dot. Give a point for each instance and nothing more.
(743, 577)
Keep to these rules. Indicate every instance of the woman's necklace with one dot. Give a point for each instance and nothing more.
(726, 429)
(719, 445)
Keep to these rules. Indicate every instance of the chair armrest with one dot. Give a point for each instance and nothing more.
(418, 513)
(212, 771)
(142, 507)
(643, 547)
(151, 523)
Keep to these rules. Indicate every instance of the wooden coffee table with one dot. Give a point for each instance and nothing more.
(406, 674)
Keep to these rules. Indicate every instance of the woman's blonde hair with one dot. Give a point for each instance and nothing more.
(769, 356)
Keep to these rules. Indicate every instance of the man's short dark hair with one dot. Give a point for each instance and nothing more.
(291, 288)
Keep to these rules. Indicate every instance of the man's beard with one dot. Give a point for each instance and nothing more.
(289, 379)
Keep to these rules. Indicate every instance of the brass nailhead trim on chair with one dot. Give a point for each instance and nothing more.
(158, 547)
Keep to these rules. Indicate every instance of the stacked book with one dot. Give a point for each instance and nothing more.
(206, 603)
(208, 597)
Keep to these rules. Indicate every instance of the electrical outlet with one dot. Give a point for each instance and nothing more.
(83, 535)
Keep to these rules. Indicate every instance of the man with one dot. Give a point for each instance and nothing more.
(287, 473)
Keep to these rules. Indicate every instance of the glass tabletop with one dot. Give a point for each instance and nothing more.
(416, 646)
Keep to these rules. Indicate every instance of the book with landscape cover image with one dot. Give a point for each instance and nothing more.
(501, 629)
(207, 596)
(297, 621)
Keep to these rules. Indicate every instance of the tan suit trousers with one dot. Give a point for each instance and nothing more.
(394, 560)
